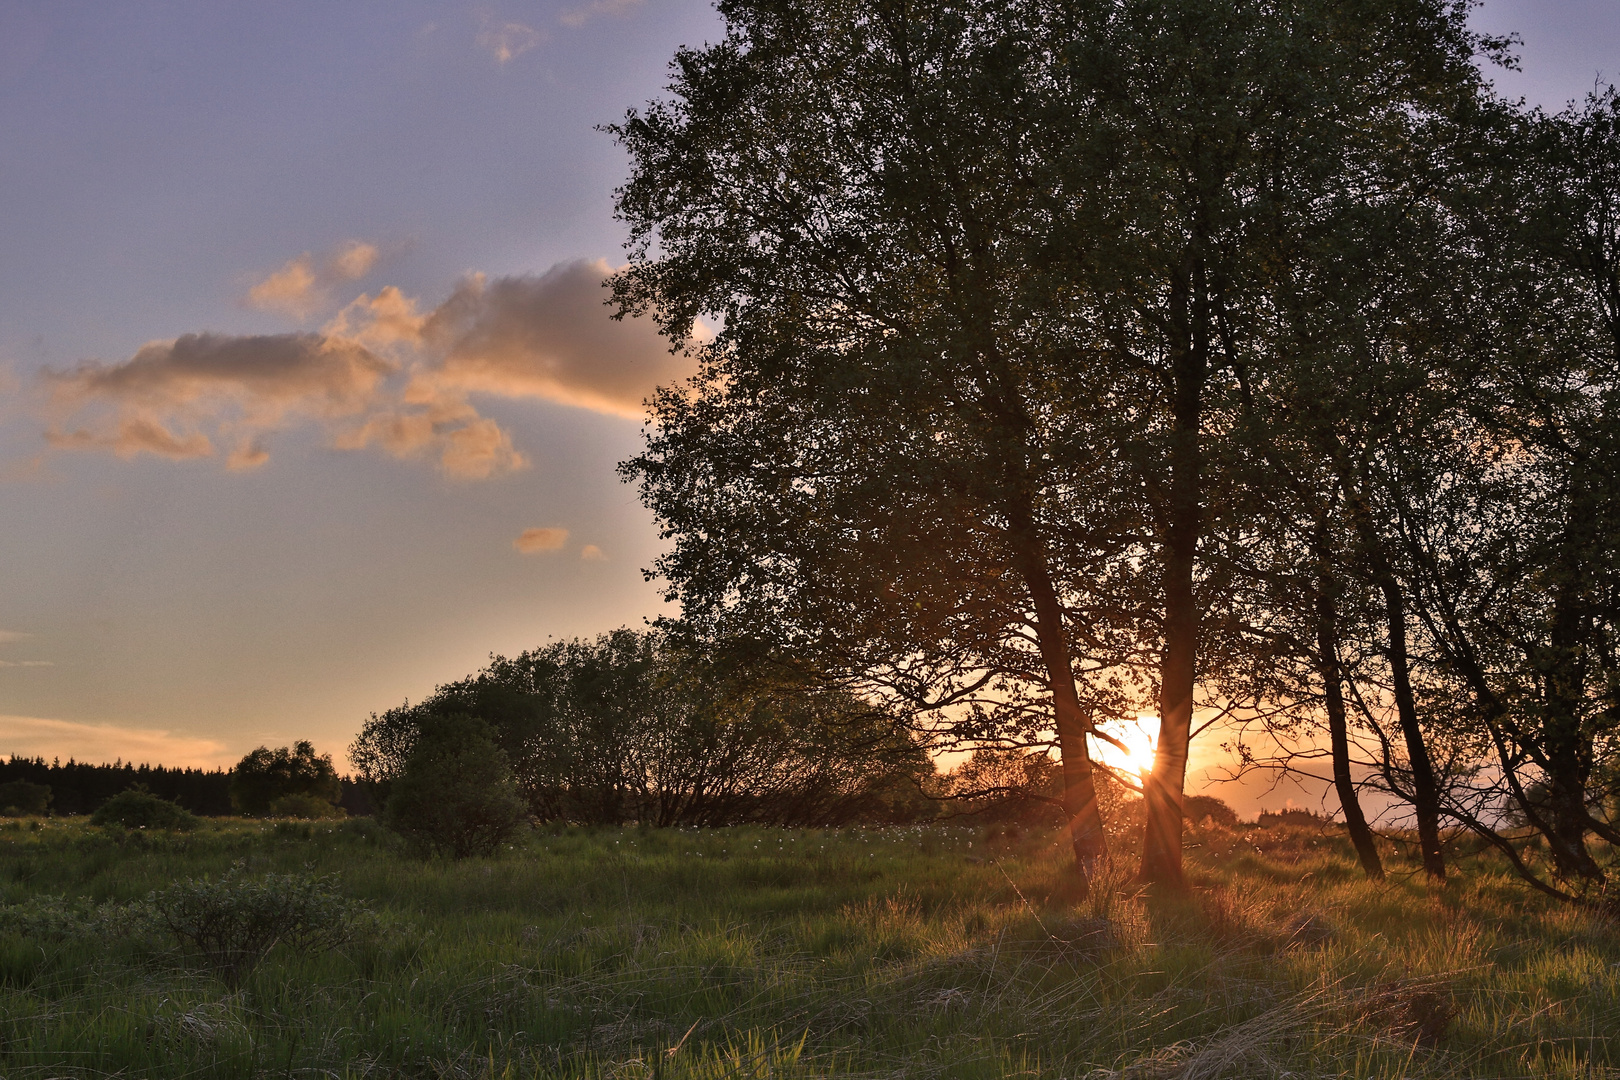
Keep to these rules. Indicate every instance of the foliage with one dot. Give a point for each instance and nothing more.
(455, 794)
(264, 776)
(632, 727)
(996, 285)
(304, 805)
(57, 919)
(78, 787)
(232, 921)
(19, 797)
(1006, 785)
(1199, 808)
(137, 808)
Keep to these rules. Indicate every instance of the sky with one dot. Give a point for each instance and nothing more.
(309, 400)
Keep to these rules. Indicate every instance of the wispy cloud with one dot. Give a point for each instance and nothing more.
(8, 636)
(34, 736)
(303, 285)
(383, 373)
(506, 41)
(25, 663)
(579, 16)
(533, 541)
(592, 553)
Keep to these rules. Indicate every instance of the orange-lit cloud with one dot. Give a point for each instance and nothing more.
(591, 553)
(174, 398)
(34, 736)
(549, 337)
(382, 373)
(302, 286)
(536, 540)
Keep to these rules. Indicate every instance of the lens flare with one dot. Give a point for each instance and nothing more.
(1134, 755)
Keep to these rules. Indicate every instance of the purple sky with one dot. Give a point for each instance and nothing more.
(192, 563)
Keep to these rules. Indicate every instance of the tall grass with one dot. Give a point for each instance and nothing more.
(922, 952)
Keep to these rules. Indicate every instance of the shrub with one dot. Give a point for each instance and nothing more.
(300, 805)
(137, 808)
(455, 795)
(266, 775)
(233, 922)
(1198, 807)
(20, 797)
(55, 918)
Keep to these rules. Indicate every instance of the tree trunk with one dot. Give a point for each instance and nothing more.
(1425, 791)
(1327, 649)
(1161, 839)
(1073, 723)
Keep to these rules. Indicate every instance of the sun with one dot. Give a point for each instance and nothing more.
(1137, 737)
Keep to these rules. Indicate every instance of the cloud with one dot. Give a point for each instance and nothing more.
(26, 663)
(33, 736)
(383, 374)
(8, 636)
(577, 17)
(506, 41)
(160, 400)
(549, 337)
(302, 286)
(537, 540)
(592, 553)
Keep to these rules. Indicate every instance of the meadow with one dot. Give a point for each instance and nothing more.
(939, 951)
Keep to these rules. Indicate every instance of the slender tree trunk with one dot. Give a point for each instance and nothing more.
(1161, 840)
(1425, 790)
(1327, 649)
(1073, 722)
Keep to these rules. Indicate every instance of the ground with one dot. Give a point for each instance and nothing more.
(940, 951)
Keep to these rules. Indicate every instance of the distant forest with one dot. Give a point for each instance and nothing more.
(78, 787)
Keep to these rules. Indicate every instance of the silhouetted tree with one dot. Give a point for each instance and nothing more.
(291, 781)
(455, 794)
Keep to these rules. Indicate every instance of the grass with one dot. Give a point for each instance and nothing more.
(921, 952)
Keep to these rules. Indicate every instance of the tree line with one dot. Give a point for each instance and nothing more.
(637, 728)
(252, 787)
(1209, 358)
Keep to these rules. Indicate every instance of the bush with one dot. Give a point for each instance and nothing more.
(266, 775)
(1195, 808)
(310, 807)
(20, 797)
(137, 808)
(455, 795)
(56, 918)
(233, 922)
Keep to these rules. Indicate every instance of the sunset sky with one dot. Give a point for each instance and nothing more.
(310, 398)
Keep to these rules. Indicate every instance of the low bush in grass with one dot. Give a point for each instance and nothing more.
(306, 807)
(232, 921)
(137, 808)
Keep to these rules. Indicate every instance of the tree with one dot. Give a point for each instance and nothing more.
(992, 281)
(294, 779)
(636, 727)
(455, 795)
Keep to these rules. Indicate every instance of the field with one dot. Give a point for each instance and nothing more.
(922, 952)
